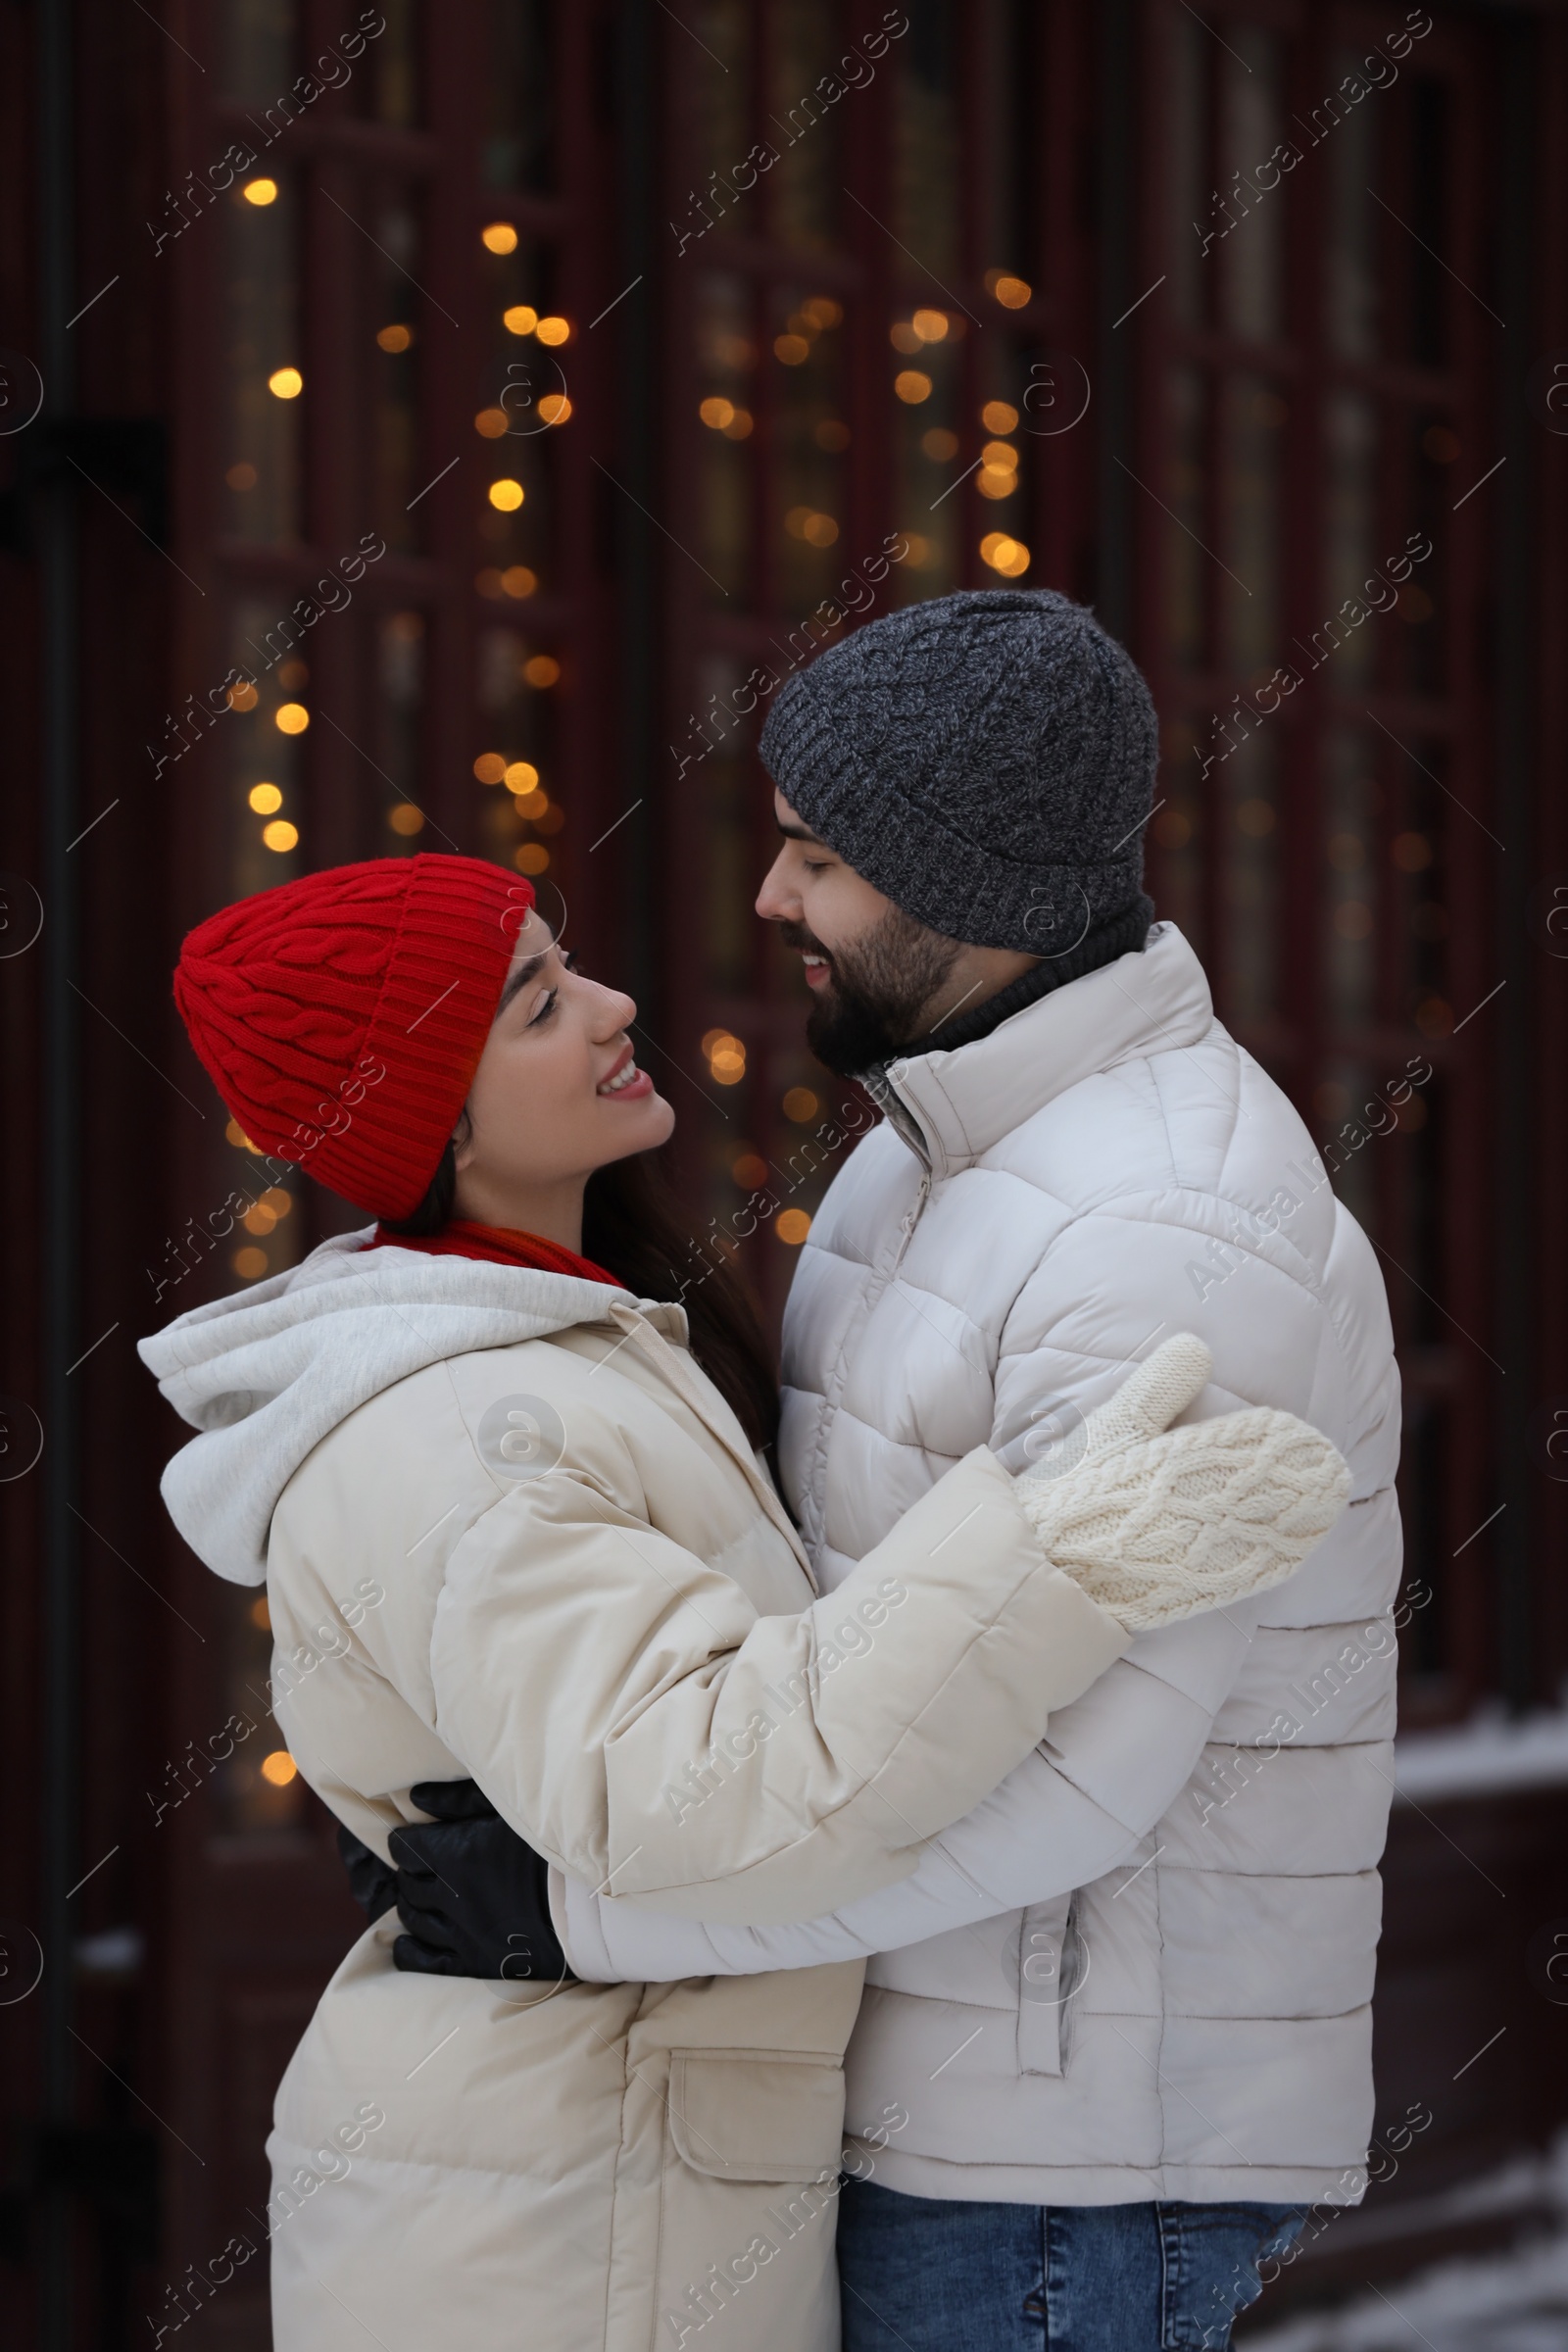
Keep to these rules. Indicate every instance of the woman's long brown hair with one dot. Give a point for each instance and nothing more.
(632, 1228)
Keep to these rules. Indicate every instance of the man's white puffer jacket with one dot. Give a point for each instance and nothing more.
(1170, 1996)
(1143, 1966)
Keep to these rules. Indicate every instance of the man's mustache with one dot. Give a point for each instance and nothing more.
(797, 935)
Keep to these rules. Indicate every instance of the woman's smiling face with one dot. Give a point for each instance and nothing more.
(557, 1093)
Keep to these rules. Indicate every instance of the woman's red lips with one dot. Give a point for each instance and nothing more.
(634, 1089)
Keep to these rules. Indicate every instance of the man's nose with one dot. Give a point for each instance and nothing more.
(778, 900)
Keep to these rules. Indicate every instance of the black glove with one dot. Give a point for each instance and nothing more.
(374, 1887)
(473, 1895)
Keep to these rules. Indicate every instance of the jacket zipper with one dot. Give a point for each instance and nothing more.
(911, 1219)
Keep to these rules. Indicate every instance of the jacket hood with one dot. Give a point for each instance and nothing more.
(265, 1376)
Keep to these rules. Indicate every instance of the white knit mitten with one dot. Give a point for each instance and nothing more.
(1160, 1526)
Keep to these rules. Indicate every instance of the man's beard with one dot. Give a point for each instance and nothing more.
(876, 992)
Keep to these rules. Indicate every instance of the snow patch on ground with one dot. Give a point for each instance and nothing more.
(1492, 1751)
(1512, 2301)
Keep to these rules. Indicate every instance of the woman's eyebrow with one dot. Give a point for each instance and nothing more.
(519, 979)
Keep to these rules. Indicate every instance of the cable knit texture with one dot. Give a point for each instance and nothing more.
(987, 761)
(1158, 1527)
(341, 1016)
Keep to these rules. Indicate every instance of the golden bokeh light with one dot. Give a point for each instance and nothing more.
(939, 444)
(265, 799)
(716, 413)
(506, 495)
(930, 325)
(291, 719)
(242, 697)
(553, 408)
(518, 581)
(1000, 417)
(492, 424)
(237, 1135)
(520, 319)
(554, 331)
(396, 337)
(260, 191)
(280, 835)
(911, 386)
(800, 1104)
(279, 1768)
(791, 1227)
(285, 384)
(249, 1263)
(532, 858)
(1011, 292)
(543, 669)
(791, 350)
(489, 768)
(406, 819)
(1007, 556)
(521, 776)
(499, 236)
(726, 1056)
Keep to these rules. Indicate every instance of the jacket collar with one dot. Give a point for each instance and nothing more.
(951, 1107)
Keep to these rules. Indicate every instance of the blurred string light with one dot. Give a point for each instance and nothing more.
(999, 470)
(285, 384)
(265, 799)
(1007, 556)
(280, 835)
(792, 1225)
(911, 386)
(725, 1055)
(722, 416)
(804, 522)
(1011, 292)
(515, 581)
(506, 495)
(1000, 417)
(396, 337)
(260, 191)
(406, 819)
(520, 319)
(291, 719)
(499, 236)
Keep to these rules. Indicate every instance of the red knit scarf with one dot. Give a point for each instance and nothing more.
(498, 1245)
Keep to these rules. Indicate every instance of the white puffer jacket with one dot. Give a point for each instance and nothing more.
(509, 1529)
(1142, 1967)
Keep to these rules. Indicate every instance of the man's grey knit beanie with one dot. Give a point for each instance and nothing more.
(987, 761)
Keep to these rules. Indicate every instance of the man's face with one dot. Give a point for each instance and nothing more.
(872, 970)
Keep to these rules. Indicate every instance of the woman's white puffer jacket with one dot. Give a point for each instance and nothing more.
(509, 1530)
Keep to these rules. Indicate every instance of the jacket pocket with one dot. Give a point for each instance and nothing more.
(1051, 1969)
(757, 2115)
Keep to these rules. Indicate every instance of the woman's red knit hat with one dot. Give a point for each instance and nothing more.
(341, 1017)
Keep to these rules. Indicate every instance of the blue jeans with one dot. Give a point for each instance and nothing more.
(940, 2275)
